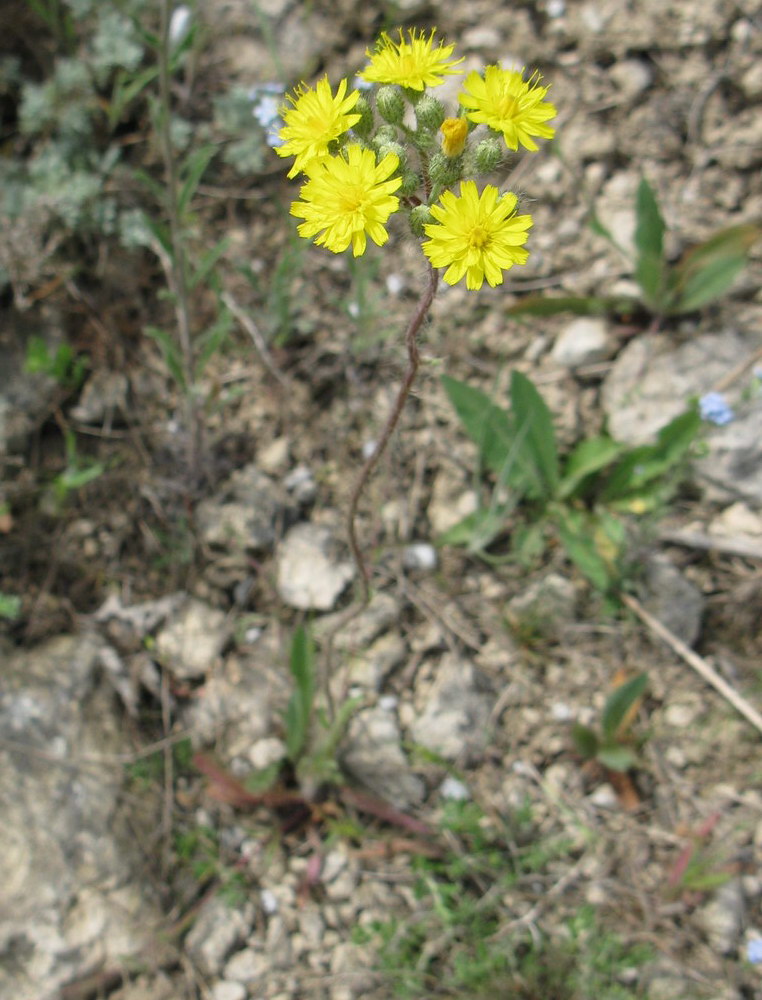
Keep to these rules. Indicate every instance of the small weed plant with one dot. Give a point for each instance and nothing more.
(612, 745)
(581, 500)
(702, 275)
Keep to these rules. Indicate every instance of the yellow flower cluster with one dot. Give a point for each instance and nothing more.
(358, 174)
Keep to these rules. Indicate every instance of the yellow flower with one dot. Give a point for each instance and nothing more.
(346, 198)
(507, 103)
(315, 119)
(414, 63)
(454, 134)
(478, 236)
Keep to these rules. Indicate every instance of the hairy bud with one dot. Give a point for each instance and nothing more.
(429, 113)
(390, 104)
(419, 217)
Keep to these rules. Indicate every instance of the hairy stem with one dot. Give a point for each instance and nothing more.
(413, 360)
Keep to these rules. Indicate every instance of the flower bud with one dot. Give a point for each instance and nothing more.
(390, 104)
(395, 148)
(429, 113)
(454, 134)
(364, 127)
(445, 171)
(384, 135)
(488, 155)
(419, 217)
(410, 183)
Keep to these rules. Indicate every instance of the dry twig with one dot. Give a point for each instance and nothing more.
(702, 668)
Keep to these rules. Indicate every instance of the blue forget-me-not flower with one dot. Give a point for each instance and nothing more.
(715, 408)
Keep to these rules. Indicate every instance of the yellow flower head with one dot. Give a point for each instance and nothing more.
(414, 63)
(315, 119)
(478, 236)
(454, 134)
(507, 103)
(346, 198)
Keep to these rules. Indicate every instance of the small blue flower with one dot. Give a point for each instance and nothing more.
(266, 101)
(714, 408)
(754, 951)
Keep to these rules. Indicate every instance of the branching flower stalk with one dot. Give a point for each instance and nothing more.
(178, 265)
(393, 149)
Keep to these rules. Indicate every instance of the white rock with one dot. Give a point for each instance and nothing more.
(652, 381)
(247, 966)
(453, 789)
(419, 555)
(311, 574)
(227, 990)
(723, 917)
(216, 932)
(583, 342)
(375, 757)
(269, 901)
(191, 641)
(604, 797)
(732, 466)
(736, 521)
(457, 708)
(632, 76)
(242, 516)
(301, 484)
(266, 751)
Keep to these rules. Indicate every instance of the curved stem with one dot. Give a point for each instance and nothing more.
(413, 356)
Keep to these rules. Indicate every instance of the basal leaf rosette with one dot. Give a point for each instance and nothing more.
(476, 236)
(348, 198)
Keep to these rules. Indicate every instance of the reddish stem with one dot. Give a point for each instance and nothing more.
(414, 358)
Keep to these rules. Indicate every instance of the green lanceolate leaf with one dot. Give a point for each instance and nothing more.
(488, 426)
(208, 261)
(616, 757)
(619, 703)
(476, 530)
(576, 532)
(644, 465)
(534, 421)
(590, 456)
(299, 708)
(585, 741)
(195, 166)
(212, 340)
(590, 305)
(650, 266)
(171, 353)
(707, 271)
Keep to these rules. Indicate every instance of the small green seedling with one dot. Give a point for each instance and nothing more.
(63, 365)
(702, 275)
(10, 607)
(580, 498)
(312, 739)
(611, 746)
